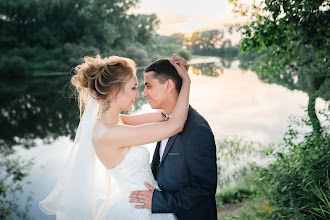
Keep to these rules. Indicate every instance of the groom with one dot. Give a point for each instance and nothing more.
(185, 164)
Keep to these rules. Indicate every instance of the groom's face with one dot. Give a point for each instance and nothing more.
(154, 91)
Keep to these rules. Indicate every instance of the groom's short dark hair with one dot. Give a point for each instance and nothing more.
(163, 71)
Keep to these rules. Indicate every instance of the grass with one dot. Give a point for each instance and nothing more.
(236, 194)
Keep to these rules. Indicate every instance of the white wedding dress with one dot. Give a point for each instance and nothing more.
(80, 192)
(129, 176)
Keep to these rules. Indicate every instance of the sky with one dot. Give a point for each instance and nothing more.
(188, 16)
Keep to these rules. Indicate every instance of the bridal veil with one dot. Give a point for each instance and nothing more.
(83, 180)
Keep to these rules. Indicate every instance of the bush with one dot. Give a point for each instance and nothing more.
(186, 54)
(289, 183)
(76, 52)
(30, 52)
(13, 67)
(157, 51)
(55, 65)
(236, 194)
(139, 55)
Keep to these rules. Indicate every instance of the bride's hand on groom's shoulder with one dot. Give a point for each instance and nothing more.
(143, 197)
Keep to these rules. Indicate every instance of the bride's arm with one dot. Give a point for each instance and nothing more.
(143, 118)
(127, 135)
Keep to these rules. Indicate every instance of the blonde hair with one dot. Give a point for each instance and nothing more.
(99, 77)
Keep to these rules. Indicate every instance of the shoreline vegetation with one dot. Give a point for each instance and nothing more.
(195, 59)
(293, 183)
(289, 41)
(21, 66)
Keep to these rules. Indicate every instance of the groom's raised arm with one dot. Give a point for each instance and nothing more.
(200, 158)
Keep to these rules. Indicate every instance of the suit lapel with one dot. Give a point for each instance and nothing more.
(168, 147)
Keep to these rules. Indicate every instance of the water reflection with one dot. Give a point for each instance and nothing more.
(207, 69)
(36, 109)
(41, 108)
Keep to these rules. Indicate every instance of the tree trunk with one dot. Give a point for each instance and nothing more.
(312, 113)
(314, 85)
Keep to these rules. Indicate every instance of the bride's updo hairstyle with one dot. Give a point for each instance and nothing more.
(101, 78)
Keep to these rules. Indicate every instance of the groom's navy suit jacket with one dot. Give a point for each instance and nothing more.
(187, 173)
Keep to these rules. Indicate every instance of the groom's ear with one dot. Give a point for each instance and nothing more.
(169, 85)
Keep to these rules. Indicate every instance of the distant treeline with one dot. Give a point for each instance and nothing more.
(205, 43)
(54, 35)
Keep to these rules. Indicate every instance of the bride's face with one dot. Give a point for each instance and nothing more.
(127, 96)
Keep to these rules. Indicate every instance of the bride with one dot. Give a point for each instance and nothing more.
(108, 146)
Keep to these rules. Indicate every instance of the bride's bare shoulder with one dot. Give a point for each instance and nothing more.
(103, 134)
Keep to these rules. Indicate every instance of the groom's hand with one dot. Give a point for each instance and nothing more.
(144, 197)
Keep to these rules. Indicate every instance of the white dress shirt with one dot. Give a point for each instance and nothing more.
(162, 148)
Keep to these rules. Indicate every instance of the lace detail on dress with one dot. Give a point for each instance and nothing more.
(129, 176)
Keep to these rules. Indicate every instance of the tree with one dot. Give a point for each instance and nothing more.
(177, 38)
(145, 27)
(206, 39)
(49, 27)
(291, 42)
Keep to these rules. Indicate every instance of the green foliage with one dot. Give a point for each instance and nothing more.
(237, 193)
(323, 194)
(145, 27)
(12, 173)
(139, 55)
(289, 182)
(177, 38)
(157, 51)
(291, 43)
(100, 23)
(205, 43)
(293, 184)
(186, 54)
(55, 35)
(13, 67)
(210, 43)
(206, 39)
(74, 53)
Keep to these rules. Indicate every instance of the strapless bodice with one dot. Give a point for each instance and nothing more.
(134, 170)
(129, 176)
